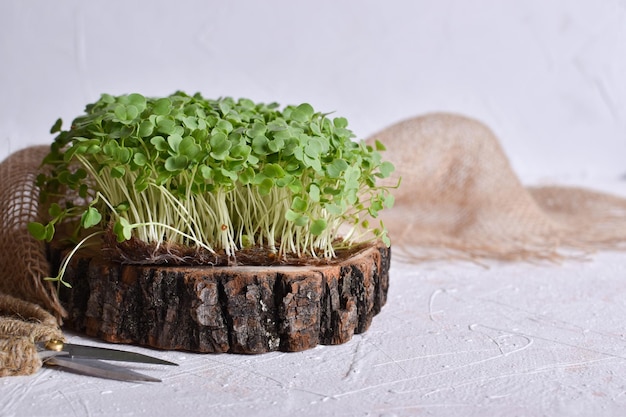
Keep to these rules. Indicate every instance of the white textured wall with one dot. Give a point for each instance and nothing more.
(548, 76)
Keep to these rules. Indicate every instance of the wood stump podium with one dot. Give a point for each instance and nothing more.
(239, 309)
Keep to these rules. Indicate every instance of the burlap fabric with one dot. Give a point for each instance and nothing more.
(22, 324)
(459, 199)
(23, 263)
(22, 257)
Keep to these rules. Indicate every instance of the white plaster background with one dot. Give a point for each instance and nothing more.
(547, 77)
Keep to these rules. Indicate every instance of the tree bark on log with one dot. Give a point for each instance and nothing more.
(239, 309)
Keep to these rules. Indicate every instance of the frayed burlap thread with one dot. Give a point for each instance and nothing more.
(459, 199)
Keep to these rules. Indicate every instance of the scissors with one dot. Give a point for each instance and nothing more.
(89, 360)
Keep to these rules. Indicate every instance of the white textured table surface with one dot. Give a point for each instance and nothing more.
(513, 339)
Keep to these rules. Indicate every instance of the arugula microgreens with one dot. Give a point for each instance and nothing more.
(214, 174)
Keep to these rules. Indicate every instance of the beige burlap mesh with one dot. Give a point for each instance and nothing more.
(22, 257)
(459, 199)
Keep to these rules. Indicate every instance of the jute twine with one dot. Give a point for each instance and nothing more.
(459, 199)
(22, 324)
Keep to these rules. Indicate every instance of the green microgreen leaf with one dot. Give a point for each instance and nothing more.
(302, 113)
(49, 231)
(137, 101)
(265, 186)
(90, 218)
(246, 176)
(176, 163)
(299, 204)
(122, 229)
(296, 218)
(56, 127)
(224, 126)
(314, 193)
(140, 159)
(340, 122)
(336, 168)
(166, 126)
(159, 143)
(122, 207)
(318, 226)
(385, 169)
(207, 172)
(389, 201)
(145, 128)
(120, 112)
(188, 147)
(161, 107)
(174, 142)
(117, 172)
(273, 171)
(257, 129)
(220, 145)
(38, 230)
(260, 145)
(83, 191)
(131, 112)
(55, 210)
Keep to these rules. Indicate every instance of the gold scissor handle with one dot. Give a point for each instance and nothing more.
(55, 345)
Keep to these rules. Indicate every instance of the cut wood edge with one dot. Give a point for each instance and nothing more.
(240, 309)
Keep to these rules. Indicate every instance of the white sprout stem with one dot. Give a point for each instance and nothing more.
(68, 258)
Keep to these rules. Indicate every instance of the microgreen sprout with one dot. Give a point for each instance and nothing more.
(220, 175)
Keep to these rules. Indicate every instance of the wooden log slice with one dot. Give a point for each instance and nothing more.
(240, 309)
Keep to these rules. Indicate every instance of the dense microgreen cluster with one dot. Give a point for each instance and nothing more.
(217, 174)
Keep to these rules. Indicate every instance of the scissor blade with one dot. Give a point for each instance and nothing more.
(93, 352)
(94, 367)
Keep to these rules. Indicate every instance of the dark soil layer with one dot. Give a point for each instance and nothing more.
(137, 252)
